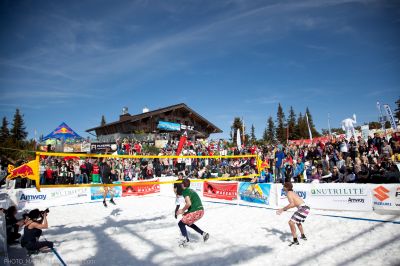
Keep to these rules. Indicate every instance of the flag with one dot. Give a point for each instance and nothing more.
(238, 142)
(390, 115)
(29, 170)
(308, 125)
(181, 143)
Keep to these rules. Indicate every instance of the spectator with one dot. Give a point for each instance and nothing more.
(12, 225)
(337, 176)
(279, 156)
(386, 150)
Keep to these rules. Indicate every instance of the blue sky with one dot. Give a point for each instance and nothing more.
(74, 61)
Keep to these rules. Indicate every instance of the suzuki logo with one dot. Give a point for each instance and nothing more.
(381, 193)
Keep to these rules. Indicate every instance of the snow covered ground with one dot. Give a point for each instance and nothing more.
(143, 231)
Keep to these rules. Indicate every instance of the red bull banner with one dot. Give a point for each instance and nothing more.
(220, 190)
(140, 190)
(29, 170)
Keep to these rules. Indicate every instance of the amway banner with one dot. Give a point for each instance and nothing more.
(140, 190)
(31, 198)
(351, 197)
(302, 190)
(220, 190)
(256, 193)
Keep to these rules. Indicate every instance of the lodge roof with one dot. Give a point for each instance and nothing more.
(133, 118)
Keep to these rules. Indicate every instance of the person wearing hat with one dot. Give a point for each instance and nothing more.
(33, 230)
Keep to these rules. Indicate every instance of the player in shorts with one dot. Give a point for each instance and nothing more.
(299, 216)
(178, 193)
(192, 212)
(106, 179)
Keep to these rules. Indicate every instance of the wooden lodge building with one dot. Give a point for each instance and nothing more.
(168, 122)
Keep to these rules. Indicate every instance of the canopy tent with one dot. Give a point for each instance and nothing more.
(62, 132)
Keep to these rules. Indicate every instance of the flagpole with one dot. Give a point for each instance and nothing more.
(378, 105)
(243, 137)
(329, 124)
(309, 130)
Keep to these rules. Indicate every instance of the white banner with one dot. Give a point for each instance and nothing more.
(197, 186)
(345, 197)
(302, 190)
(386, 196)
(31, 198)
(365, 132)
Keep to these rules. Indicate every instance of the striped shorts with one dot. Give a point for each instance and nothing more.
(301, 214)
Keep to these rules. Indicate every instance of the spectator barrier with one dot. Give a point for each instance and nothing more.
(385, 196)
(329, 196)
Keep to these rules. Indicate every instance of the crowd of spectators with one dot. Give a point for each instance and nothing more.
(339, 160)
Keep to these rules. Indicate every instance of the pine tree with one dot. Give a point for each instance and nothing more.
(314, 132)
(280, 127)
(270, 131)
(291, 123)
(301, 127)
(237, 124)
(4, 132)
(397, 111)
(253, 134)
(18, 133)
(103, 121)
(265, 135)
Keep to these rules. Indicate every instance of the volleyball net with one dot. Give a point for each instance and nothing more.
(55, 170)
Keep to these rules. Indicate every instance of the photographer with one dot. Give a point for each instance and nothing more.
(36, 221)
(12, 225)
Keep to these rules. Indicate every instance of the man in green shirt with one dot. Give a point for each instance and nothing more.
(192, 212)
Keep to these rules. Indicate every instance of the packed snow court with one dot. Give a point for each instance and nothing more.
(143, 231)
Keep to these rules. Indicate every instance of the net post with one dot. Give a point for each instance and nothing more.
(37, 177)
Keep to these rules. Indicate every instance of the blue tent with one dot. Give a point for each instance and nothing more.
(63, 132)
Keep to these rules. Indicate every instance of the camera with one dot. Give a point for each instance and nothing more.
(37, 215)
(45, 211)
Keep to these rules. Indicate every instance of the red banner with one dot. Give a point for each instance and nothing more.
(323, 139)
(226, 191)
(139, 190)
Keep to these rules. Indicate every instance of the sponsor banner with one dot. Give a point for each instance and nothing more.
(85, 147)
(365, 132)
(97, 193)
(140, 190)
(256, 193)
(29, 198)
(302, 190)
(168, 126)
(386, 196)
(351, 197)
(103, 147)
(160, 143)
(220, 190)
(197, 186)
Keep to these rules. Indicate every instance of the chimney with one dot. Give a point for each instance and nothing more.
(145, 110)
(125, 115)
